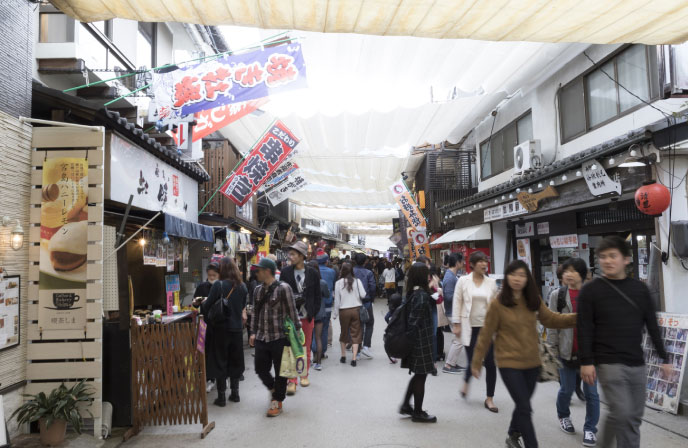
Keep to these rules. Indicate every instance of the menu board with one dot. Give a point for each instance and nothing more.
(662, 392)
(9, 311)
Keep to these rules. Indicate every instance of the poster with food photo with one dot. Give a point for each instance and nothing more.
(9, 312)
(64, 242)
(663, 391)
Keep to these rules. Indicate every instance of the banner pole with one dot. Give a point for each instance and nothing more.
(236, 166)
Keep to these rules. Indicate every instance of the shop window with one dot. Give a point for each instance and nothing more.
(497, 153)
(595, 98)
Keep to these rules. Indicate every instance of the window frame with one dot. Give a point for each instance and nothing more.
(501, 131)
(654, 93)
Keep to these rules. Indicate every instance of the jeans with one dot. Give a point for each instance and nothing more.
(325, 331)
(269, 354)
(308, 331)
(368, 328)
(490, 367)
(521, 384)
(624, 390)
(567, 385)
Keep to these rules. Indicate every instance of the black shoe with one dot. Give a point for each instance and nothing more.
(434, 372)
(241, 378)
(353, 363)
(580, 394)
(220, 400)
(423, 417)
(234, 387)
(406, 409)
(514, 441)
(342, 359)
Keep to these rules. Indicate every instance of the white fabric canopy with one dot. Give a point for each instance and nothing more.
(474, 233)
(594, 21)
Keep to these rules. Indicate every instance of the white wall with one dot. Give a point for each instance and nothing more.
(541, 101)
(675, 277)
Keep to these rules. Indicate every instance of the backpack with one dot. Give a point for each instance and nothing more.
(399, 275)
(561, 298)
(397, 342)
(217, 314)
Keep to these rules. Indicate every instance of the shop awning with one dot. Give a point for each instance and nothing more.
(647, 21)
(178, 227)
(475, 233)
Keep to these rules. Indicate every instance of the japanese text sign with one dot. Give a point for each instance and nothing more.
(597, 179)
(212, 120)
(268, 154)
(563, 241)
(228, 80)
(281, 173)
(408, 206)
(506, 210)
(282, 191)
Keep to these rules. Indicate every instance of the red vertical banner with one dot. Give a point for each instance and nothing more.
(268, 154)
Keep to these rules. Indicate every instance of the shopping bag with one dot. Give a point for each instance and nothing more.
(292, 366)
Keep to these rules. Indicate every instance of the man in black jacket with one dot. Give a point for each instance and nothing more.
(305, 283)
(612, 313)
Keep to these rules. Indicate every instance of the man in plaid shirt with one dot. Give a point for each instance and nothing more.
(273, 302)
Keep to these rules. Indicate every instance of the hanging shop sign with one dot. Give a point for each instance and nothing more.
(525, 229)
(245, 212)
(155, 185)
(543, 228)
(172, 289)
(531, 201)
(421, 244)
(411, 247)
(212, 120)
(229, 80)
(265, 157)
(185, 256)
(64, 243)
(563, 241)
(408, 205)
(9, 311)
(281, 173)
(503, 211)
(664, 392)
(170, 255)
(244, 242)
(282, 191)
(598, 181)
(263, 248)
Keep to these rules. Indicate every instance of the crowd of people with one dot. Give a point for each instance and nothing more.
(593, 330)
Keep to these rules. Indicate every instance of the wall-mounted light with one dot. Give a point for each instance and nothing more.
(142, 242)
(530, 190)
(551, 182)
(564, 177)
(611, 161)
(503, 197)
(578, 174)
(17, 236)
(518, 190)
(539, 185)
(496, 200)
(511, 196)
(593, 167)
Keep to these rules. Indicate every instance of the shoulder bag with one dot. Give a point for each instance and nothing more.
(216, 313)
(621, 293)
(363, 313)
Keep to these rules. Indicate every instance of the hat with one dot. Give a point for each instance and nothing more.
(266, 263)
(300, 247)
(322, 256)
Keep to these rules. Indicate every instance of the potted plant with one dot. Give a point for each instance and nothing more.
(54, 411)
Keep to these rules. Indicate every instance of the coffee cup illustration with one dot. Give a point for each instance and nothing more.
(64, 300)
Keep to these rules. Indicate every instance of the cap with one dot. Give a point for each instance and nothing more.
(266, 263)
(300, 247)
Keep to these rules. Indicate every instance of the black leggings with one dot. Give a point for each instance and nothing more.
(416, 387)
(490, 367)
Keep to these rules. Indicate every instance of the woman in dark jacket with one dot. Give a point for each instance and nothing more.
(203, 289)
(224, 344)
(420, 361)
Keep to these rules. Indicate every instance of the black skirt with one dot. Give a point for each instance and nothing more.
(224, 352)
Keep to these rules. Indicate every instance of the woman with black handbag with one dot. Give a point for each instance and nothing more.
(419, 326)
(225, 312)
(348, 292)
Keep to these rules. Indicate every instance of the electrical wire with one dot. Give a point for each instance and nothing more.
(489, 145)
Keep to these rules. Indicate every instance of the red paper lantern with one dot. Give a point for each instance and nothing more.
(652, 199)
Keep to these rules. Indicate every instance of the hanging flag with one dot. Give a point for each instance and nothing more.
(265, 157)
(282, 191)
(229, 80)
(408, 205)
(209, 121)
(421, 244)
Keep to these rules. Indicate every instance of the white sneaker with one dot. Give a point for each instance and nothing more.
(590, 439)
(566, 425)
(366, 353)
(209, 386)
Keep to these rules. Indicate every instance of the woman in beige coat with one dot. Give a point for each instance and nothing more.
(472, 295)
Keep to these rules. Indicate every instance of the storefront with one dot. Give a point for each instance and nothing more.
(464, 241)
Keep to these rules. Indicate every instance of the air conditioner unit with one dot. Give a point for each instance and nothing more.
(527, 156)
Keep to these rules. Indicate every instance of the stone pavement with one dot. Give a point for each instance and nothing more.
(357, 407)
